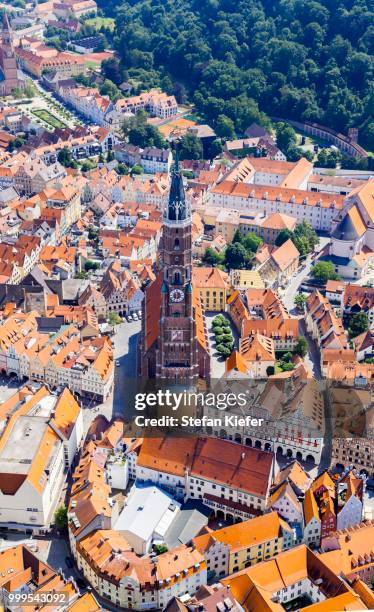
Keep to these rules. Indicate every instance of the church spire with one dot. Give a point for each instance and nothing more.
(177, 209)
(6, 24)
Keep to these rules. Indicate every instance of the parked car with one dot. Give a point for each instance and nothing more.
(117, 363)
(135, 317)
(129, 318)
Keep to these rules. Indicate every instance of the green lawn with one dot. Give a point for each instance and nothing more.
(48, 118)
(99, 22)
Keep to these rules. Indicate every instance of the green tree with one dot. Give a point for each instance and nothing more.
(223, 350)
(328, 158)
(93, 232)
(300, 300)
(304, 238)
(236, 256)
(238, 237)
(191, 147)
(30, 89)
(286, 366)
(108, 88)
(304, 61)
(225, 127)
(88, 165)
(283, 236)
(215, 148)
(219, 321)
(301, 347)
(324, 271)
(252, 242)
(91, 265)
(64, 157)
(61, 517)
(139, 133)
(113, 71)
(121, 169)
(212, 258)
(286, 136)
(160, 549)
(358, 324)
(137, 169)
(114, 319)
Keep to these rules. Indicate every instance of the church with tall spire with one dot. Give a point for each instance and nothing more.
(10, 77)
(173, 345)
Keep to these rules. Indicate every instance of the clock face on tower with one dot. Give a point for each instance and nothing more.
(176, 295)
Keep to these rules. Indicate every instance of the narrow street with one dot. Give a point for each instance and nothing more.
(313, 357)
(292, 289)
(125, 341)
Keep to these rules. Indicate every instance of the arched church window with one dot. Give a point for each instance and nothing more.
(177, 278)
(176, 244)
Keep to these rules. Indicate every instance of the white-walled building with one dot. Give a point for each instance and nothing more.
(352, 238)
(317, 209)
(146, 517)
(40, 434)
(231, 479)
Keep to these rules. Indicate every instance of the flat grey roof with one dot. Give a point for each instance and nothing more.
(191, 519)
(22, 444)
(145, 508)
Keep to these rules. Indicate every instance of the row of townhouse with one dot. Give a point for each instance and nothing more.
(233, 548)
(277, 265)
(34, 175)
(67, 199)
(122, 293)
(329, 506)
(329, 581)
(98, 142)
(151, 159)
(154, 191)
(356, 299)
(129, 247)
(18, 565)
(323, 324)
(57, 358)
(316, 508)
(87, 101)
(115, 572)
(99, 109)
(155, 102)
(19, 258)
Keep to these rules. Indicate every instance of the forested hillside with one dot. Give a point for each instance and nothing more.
(246, 59)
